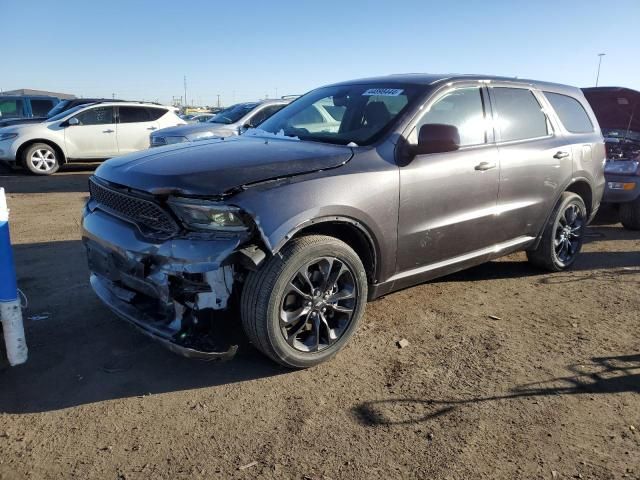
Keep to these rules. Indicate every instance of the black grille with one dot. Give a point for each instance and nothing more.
(144, 213)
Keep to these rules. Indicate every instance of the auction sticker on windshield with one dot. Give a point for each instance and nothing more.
(383, 92)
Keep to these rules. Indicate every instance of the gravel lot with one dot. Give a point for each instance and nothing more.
(510, 373)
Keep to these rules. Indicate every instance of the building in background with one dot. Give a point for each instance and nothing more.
(28, 91)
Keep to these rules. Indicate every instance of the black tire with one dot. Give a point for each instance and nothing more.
(546, 254)
(630, 214)
(41, 159)
(267, 291)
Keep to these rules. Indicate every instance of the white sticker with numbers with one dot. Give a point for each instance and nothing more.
(383, 92)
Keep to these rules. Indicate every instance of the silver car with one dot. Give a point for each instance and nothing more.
(227, 123)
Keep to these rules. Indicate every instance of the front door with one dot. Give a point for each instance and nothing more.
(448, 200)
(94, 136)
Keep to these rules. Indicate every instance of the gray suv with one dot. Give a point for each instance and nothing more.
(350, 192)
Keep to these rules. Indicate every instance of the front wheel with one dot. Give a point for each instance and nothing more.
(41, 159)
(304, 303)
(563, 236)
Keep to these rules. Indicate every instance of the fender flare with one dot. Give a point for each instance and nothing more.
(30, 141)
(341, 219)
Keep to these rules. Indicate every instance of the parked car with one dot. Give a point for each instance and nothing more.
(85, 132)
(227, 123)
(201, 118)
(618, 113)
(293, 226)
(15, 108)
(61, 106)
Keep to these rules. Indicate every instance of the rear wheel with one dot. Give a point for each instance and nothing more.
(563, 236)
(305, 303)
(41, 159)
(630, 214)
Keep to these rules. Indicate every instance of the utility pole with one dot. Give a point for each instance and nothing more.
(113, 95)
(218, 100)
(185, 91)
(600, 55)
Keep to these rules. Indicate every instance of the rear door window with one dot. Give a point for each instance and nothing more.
(133, 115)
(520, 116)
(571, 112)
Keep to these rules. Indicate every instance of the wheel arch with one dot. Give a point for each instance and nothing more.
(346, 229)
(583, 188)
(580, 186)
(21, 149)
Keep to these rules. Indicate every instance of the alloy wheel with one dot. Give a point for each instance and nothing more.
(569, 230)
(43, 159)
(318, 304)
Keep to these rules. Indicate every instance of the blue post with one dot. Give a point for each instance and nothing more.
(10, 311)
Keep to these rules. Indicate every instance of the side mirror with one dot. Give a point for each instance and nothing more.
(73, 121)
(437, 138)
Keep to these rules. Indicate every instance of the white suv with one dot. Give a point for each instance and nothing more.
(87, 132)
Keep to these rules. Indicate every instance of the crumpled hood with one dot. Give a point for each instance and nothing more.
(212, 168)
(191, 130)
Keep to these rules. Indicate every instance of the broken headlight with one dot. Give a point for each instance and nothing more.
(204, 215)
(625, 167)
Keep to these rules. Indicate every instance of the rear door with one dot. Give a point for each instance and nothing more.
(448, 200)
(135, 124)
(94, 136)
(535, 160)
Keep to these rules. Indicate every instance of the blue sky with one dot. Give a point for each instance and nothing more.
(140, 49)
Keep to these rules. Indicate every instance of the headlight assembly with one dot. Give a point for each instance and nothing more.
(7, 136)
(204, 215)
(625, 167)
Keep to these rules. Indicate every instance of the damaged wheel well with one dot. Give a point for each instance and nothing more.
(353, 236)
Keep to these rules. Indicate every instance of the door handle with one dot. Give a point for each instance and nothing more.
(483, 166)
(152, 128)
(561, 154)
(108, 131)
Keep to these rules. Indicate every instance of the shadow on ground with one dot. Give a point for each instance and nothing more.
(71, 178)
(601, 375)
(623, 262)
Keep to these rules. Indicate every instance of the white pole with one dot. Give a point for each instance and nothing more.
(10, 311)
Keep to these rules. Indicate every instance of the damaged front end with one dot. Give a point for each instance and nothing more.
(175, 285)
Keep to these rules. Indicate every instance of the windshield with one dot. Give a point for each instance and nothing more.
(233, 113)
(61, 115)
(343, 114)
(61, 106)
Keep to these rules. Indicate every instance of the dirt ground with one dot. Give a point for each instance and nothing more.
(510, 374)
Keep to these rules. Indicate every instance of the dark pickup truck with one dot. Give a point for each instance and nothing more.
(17, 108)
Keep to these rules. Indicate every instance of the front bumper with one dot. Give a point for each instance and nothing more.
(176, 291)
(8, 149)
(628, 188)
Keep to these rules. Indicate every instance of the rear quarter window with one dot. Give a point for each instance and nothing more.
(571, 112)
